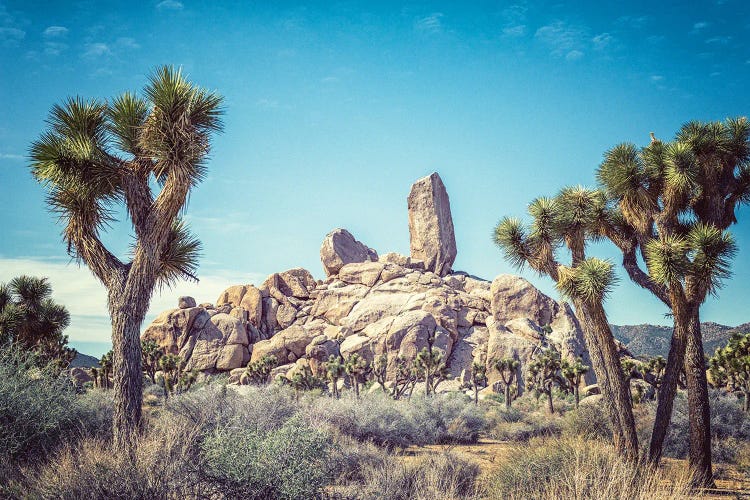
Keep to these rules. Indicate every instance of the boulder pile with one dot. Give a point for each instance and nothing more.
(373, 304)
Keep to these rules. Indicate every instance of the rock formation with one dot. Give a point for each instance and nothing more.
(371, 306)
(431, 226)
(340, 248)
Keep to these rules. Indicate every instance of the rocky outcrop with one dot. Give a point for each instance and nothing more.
(432, 239)
(372, 306)
(340, 248)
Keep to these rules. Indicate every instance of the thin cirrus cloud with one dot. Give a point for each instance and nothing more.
(169, 5)
(55, 32)
(563, 40)
(430, 24)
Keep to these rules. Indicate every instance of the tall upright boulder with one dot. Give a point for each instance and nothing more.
(340, 248)
(432, 239)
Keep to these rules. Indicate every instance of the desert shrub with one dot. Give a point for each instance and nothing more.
(443, 418)
(530, 426)
(589, 421)
(163, 467)
(729, 426)
(39, 408)
(288, 462)
(577, 468)
(444, 475)
(212, 406)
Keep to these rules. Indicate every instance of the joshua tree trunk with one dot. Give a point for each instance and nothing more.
(507, 395)
(668, 386)
(128, 379)
(577, 394)
(606, 363)
(746, 394)
(698, 405)
(476, 395)
(549, 400)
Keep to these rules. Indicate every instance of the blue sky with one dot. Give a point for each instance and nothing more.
(334, 109)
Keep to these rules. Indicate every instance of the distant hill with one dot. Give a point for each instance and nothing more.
(652, 340)
(84, 361)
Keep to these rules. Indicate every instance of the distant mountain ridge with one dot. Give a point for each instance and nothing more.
(653, 340)
(84, 361)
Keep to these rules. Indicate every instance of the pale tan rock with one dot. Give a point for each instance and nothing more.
(340, 248)
(432, 237)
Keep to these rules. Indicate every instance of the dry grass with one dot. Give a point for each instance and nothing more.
(579, 468)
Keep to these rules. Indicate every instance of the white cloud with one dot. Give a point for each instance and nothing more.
(55, 32)
(98, 49)
(127, 43)
(602, 41)
(86, 299)
(514, 31)
(632, 21)
(10, 156)
(430, 24)
(573, 55)
(699, 26)
(169, 5)
(11, 35)
(656, 78)
(563, 39)
(267, 103)
(514, 20)
(720, 40)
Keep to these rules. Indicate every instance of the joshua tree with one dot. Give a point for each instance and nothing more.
(430, 365)
(545, 374)
(674, 202)
(31, 320)
(151, 353)
(357, 368)
(105, 368)
(334, 371)
(729, 367)
(478, 378)
(507, 368)
(572, 219)
(573, 372)
(653, 372)
(97, 155)
(303, 380)
(406, 377)
(259, 371)
(380, 370)
(170, 365)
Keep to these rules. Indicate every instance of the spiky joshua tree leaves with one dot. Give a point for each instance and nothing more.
(674, 201)
(478, 378)
(508, 367)
(729, 367)
(259, 371)
(573, 372)
(334, 371)
(569, 221)
(97, 155)
(545, 374)
(357, 368)
(32, 321)
(151, 353)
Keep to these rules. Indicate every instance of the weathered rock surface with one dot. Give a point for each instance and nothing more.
(431, 225)
(340, 248)
(371, 306)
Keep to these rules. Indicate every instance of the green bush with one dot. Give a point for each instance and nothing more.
(730, 425)
(39, 408)
(588, 421)
(289, 462)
